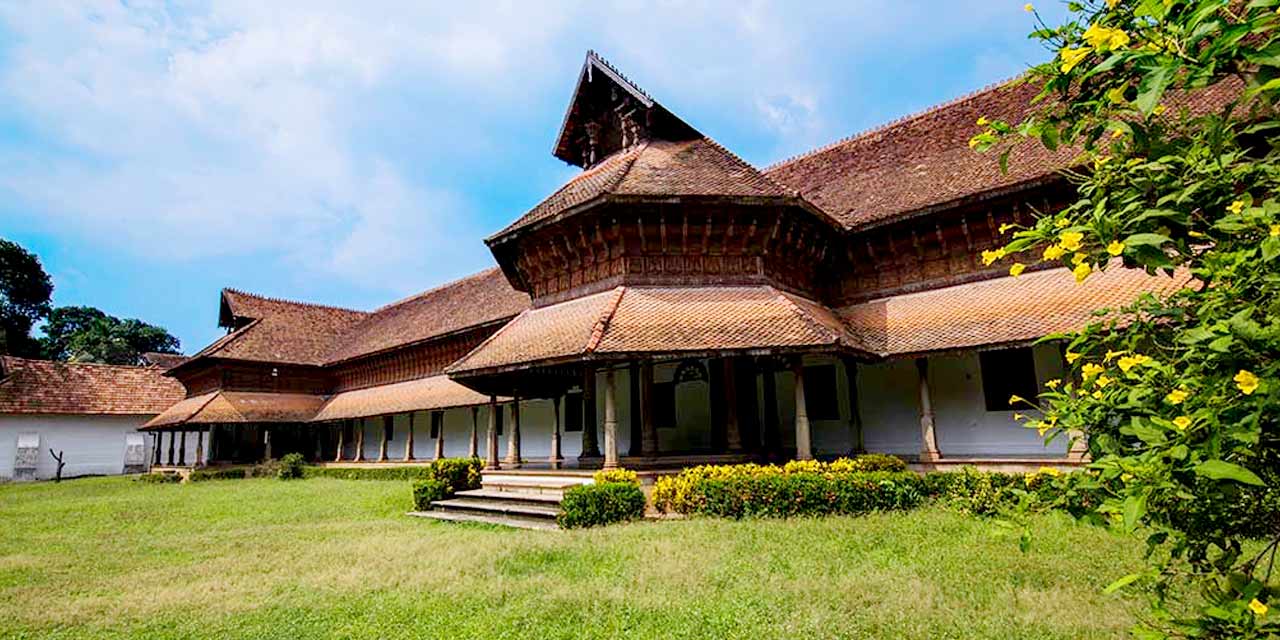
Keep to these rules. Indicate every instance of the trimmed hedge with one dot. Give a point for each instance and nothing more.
(807, 494)
(459, 474)
(233, 473)
(158, 478)
(599, 504)
(428, 490)
(363, 473)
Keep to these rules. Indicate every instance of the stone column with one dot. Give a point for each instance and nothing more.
(182, 449)
(732, 431)
(157, 441)
(387, 425)
(555, 457)
(590, 448)
(513, 435)
(610, 421)
(408, 441)
(358, 425)
(342, 444)
(266, 449)
(172, 435)
(472, 447)
(648, 430)
(213, 444)
(857, 445)
(804, 446)
(772, 430)
(633, 395)
(491, 443)
(199, 448)
(439, 435)
(317, 434)
(928, 436)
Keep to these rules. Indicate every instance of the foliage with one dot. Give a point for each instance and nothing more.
(25, 290)
(366, 473)
(229, 473)
(290, 467)
(616, 475)
(158, 478)
(599, 504)
(428, 490)
(807, 494)
(86, 334)
(459, 474)
(1172, 104)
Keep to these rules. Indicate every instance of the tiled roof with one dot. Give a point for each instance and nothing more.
(992, 312)
(44, 387)
(435, 392)
(924, 161)
(226, 407)
(658, 168)
(163, 360)
(475, 300)
(281, 331)
(658, 320)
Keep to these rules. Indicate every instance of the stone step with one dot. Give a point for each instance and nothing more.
(504, 507)
(538, 498)
(539, 524)
(531, 488)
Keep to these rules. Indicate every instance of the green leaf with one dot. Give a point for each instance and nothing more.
(1134, 508)
(1122, 583)
(1152, 87)
(1222, 470)
(1270, 248)
(1148, 239)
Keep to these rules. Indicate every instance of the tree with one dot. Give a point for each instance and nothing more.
(25, 290)
(86, 334)
(1172, 106)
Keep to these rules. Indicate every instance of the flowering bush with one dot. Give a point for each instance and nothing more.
(1172, 104)
(616, 475)
(600, 504)
(675, 493)
(806, 494)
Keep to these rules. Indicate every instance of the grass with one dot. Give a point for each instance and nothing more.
(111, 558)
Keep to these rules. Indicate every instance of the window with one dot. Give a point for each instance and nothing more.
(820, 400)
(664, 405)
(1005, 373)
(573, 412)
(437, 418)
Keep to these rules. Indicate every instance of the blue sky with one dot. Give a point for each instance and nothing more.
(352, 153)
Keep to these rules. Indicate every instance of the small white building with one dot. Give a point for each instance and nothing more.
(87, 413)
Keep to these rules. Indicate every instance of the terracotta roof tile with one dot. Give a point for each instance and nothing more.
(281, 331)
(226, 407)
(1000, 311)
(435, 392)
(43, 387)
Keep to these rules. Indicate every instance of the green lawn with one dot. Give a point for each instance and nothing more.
(110, 558)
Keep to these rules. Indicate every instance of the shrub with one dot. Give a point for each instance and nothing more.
(599, 504)
(459, 474)
(806, 494)
(673, 493)
(290, 467)
(616, 475)
(159, 478)
(870, 462)
(428, 490)
(362, 473)
(233, 473)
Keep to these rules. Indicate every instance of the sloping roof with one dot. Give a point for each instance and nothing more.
(995, 312)
(163, 360)
(658, 168)
(44, 387)
(227, 407)
(281, 331)
(435, 392)
(468, 302)
(631, 320)
(923, 161)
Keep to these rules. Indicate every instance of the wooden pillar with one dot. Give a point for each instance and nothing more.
(648, 430)
(513, 435)
(928, 436)
(408, 440)
(318, 434)
(590, 446)
(636, 422)
(171, 443)
(439, 434)
(555, 458)
(266, 447)
(857, 445)
(804, 446)
(157, 443)
(358, 425)
(182, 449)
(491, 441)
(213, 444)
(387, 425)
(772, 429)
(342, 444)
(610, 420)
(473, 447)
(199, 448)
(732, 431)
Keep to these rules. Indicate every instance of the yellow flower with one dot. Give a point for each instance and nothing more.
(1115, 248)
(1103, 38)
(1125, 477)
(1236, 207)
(1072, 357)
(1257, 607)
(1118, 40)
(1004, 228)
(1111, 4)
(1071, 240)
(1102, 381)
(1015, 399)
(1049, 471)
(1182, 422)
(1176, 396)
(1128, 362)
(1072, 57)
(983, 121)
(1078, 258)
(991, 256)
(1082, 271)
(1159, 110)
(1097, 394)
(1061, 222)
(1054, 252)
(1053, 384)
(1275, 230)
(1090, 370)
(1017, 269)
(1111, 355)
(1028, 7)
(1118, 133)
(1246, 381)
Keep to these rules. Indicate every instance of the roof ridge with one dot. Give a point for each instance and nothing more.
(493, 336)
(299, 303)
(901, 120)
(784, 188)
(591, 54)
(439, 287)
(625, 170)
(63, 363)
(804, 315)
(602, 322)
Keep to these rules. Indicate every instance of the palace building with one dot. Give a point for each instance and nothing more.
(672, 304)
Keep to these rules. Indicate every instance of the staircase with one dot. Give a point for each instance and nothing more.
(522, 499)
